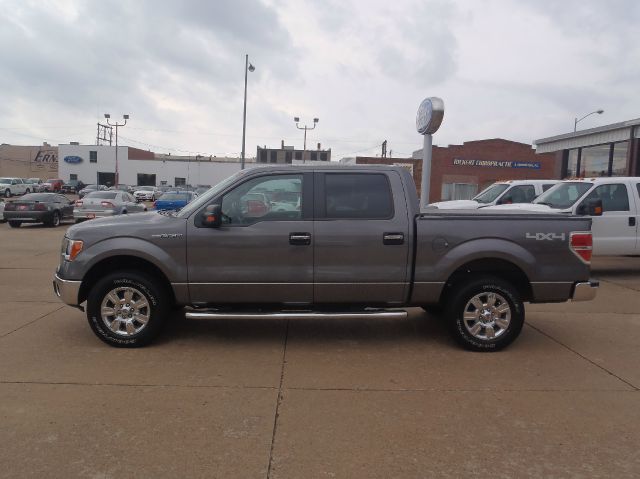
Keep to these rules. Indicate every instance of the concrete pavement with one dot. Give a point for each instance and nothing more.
(306, 399)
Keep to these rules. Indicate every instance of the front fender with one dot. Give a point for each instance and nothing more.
(170, 258)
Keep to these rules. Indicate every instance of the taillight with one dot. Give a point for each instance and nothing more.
(9, 207)
(40, 207)
(107, 204)
(582, 245)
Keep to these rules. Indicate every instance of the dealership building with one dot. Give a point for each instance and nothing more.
(461, 171)
(609, 150)
(97, 164)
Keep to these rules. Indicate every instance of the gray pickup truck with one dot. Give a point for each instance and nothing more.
(322, 241)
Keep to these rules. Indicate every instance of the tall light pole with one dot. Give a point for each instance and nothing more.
(116, 124)
(248, 67)
(305, 128)
(576, 120)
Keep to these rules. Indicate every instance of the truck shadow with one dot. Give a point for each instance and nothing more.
(418, 327)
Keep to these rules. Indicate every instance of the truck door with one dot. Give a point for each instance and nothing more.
(361, 238)
(614, 233)
(263, 252)
(636, 196)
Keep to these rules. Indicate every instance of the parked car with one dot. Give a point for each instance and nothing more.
(47, 208)
(14, 186)
(500, 192)
(358, 241)
(174, 200)
(121, 187)
(53, 185)
(615, 231)
(106, 203)
(72, 186)
(147, 193)
(90, 189)
(37, 185)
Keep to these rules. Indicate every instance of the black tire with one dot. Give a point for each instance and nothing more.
(146, 287)
(15, 224)
(54, 221)
(27, 191)
(7, 193)
(506, 298)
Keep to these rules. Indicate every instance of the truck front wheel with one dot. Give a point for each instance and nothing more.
(485, 314)
(127, 309)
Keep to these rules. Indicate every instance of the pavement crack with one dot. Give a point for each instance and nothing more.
(279, 401)
(635, 388)
(31, 322)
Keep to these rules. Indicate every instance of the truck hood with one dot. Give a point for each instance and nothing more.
(133, 225)
(457, 205)
(524, 207)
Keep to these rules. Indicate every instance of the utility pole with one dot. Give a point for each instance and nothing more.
(248, 67)
(305, 128)
(384, 149)
(117, 125)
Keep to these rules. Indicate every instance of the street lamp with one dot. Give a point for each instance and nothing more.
(116, 124)
(248, 67)
(305, 128)
(576, 120)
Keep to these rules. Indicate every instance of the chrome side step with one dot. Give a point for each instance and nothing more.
(380, 314)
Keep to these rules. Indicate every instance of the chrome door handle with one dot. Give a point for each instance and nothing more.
(393, 238)
(301, 239)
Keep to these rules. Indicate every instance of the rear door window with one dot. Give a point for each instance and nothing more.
(357, 196)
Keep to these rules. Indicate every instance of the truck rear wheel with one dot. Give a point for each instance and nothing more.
(127, 309)
(485, 314)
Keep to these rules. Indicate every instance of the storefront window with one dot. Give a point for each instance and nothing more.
(595, 161)
(619, 166)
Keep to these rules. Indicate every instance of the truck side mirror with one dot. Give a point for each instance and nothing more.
(590, 208)
(212, 216)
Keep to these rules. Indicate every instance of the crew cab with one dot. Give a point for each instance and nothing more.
(356, 245)
(500, 193)
(14, 186)
(615, 229)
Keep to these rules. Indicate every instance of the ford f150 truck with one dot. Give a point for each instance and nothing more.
(615, 228)
(353, 244)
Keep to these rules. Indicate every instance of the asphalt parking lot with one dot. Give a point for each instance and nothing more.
(314, 399)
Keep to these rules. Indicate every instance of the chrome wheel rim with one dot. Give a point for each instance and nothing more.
(125, 311)
(487, 316)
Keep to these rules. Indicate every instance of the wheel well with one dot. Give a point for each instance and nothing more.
(499, 268)
(115, 263)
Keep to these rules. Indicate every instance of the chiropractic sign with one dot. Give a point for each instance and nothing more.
(532, 165)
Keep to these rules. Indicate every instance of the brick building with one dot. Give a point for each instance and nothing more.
(461, 171)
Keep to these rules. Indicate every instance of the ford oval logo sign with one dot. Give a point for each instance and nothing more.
(72, 159)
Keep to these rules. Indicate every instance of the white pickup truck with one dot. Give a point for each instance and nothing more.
(500, 193)
(616, 231)
(14, 186)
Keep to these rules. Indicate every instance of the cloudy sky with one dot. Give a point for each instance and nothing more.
(514, 69)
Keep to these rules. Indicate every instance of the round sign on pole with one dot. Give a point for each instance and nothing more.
(430, 114)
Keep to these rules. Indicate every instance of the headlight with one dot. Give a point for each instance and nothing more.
(71, 248)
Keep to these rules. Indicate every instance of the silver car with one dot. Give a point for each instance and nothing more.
(106, 203)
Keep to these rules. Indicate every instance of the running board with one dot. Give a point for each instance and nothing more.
(380, 314)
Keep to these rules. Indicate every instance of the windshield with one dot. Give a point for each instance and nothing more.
(563, 195)
(5, 180)
(91, 187)
(205, 198)
(105, 195)
(490, 194)
(37, 197)
(146, 188)
(175, 197)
